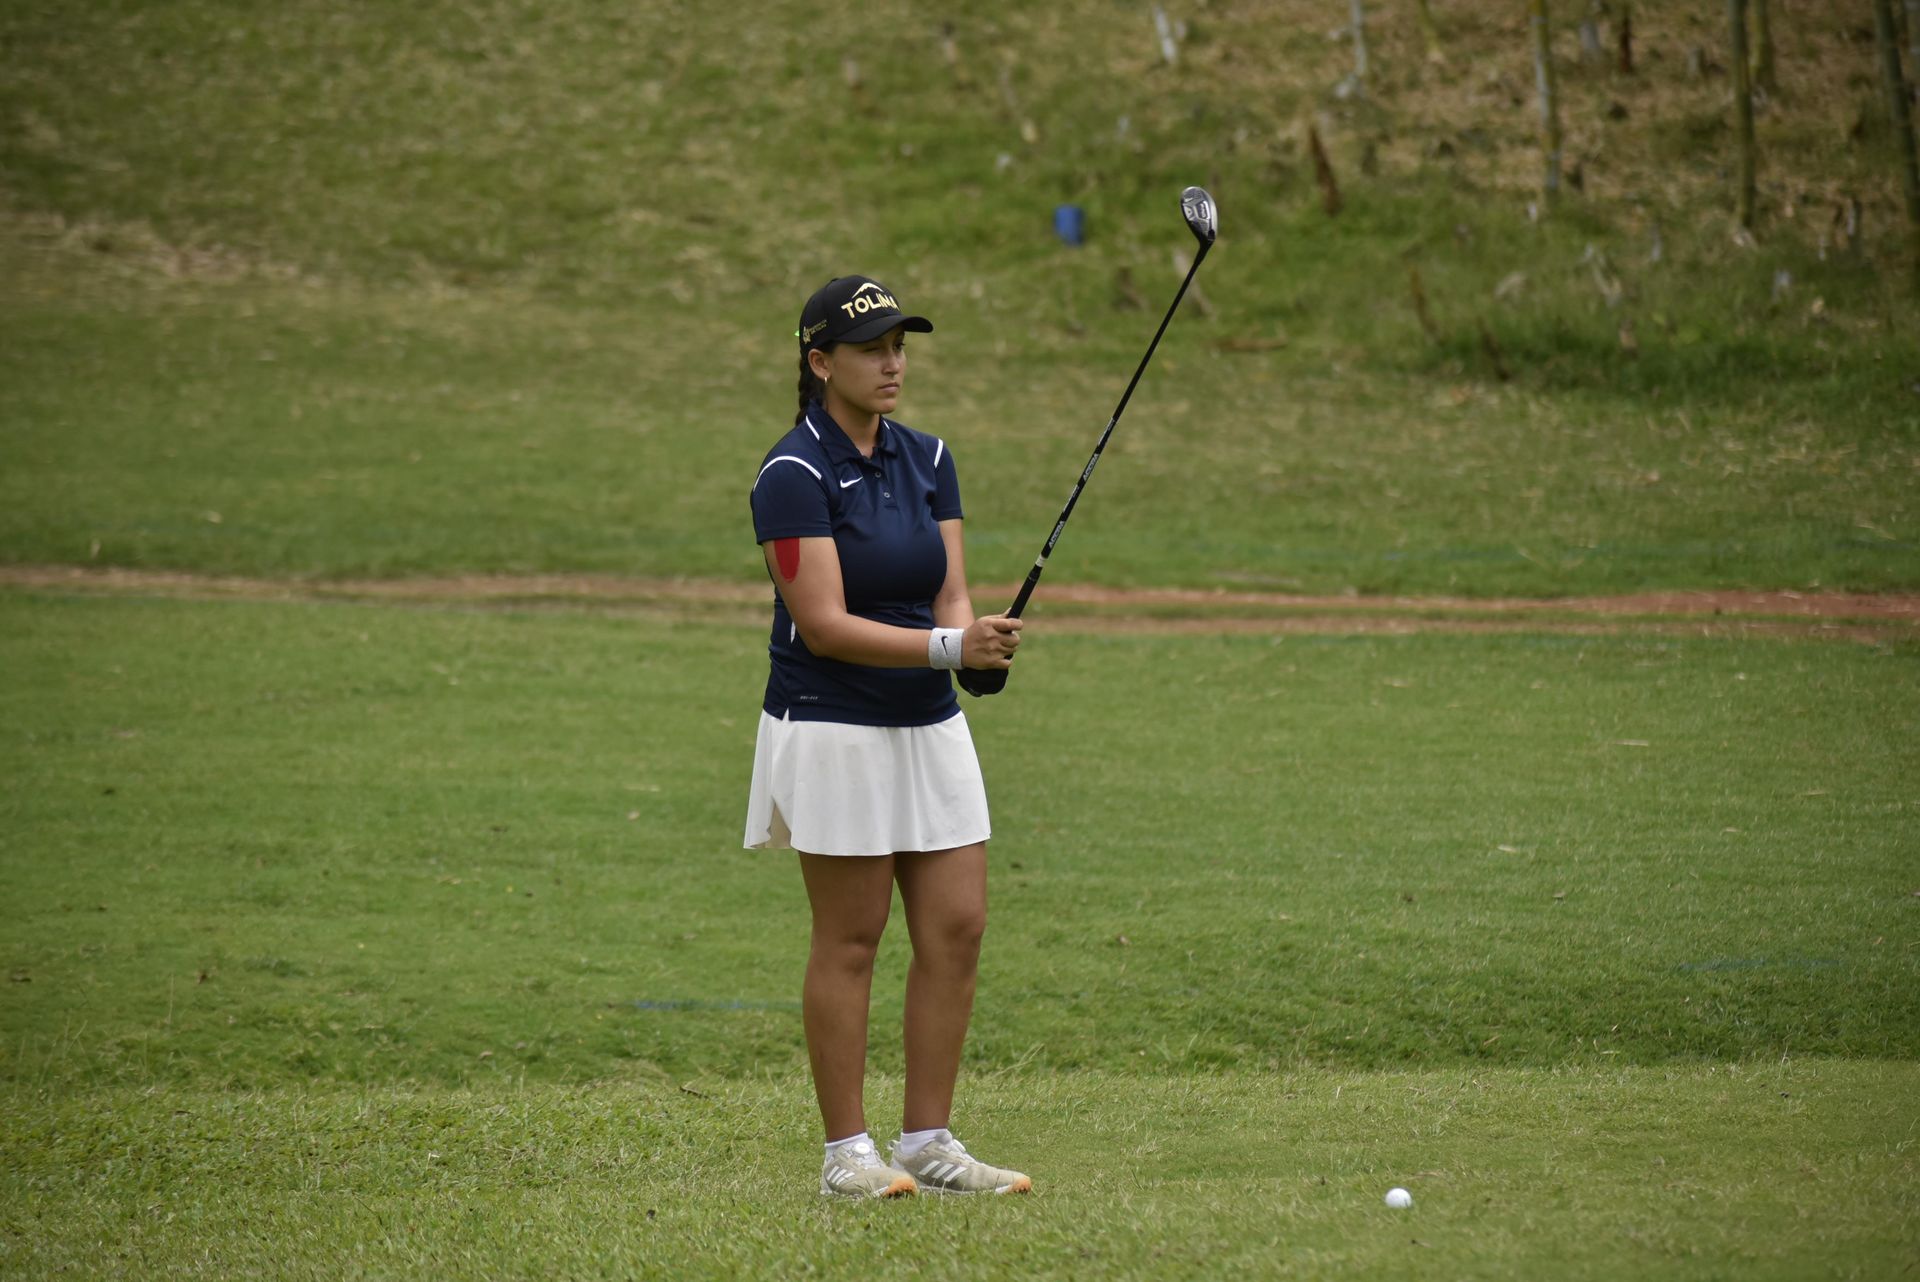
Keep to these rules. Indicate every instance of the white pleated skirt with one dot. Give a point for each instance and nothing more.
(832, 789)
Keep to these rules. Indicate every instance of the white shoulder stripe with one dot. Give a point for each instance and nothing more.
(939, 448)
(787, 458)
(810, 427)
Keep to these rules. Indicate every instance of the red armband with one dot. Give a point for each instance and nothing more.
(786, 553)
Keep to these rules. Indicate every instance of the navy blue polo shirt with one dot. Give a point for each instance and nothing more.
(883, 515)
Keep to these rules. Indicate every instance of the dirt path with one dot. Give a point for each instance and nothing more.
(1869, 618)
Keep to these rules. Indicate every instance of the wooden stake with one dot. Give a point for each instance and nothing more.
(1323, 172)
(1420, 303)
(1492, 349)
(1845, 227)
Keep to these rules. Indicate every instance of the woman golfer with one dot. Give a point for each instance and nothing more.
(864, 764)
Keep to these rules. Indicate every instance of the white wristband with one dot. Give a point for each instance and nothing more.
(943, 648)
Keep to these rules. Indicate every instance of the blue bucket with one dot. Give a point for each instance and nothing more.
(1070, 224)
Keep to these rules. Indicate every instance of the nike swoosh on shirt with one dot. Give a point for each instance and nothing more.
(855, 481)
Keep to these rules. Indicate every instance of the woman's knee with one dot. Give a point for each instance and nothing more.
(851, 901)
(848, 944)
(952, 940)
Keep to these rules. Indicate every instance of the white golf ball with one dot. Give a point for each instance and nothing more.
(1399, 1199)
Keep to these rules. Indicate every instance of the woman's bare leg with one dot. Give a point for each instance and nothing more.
(851, 896)
(945, 895)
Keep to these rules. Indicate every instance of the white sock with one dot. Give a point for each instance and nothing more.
(911, 1142)
(840, 1146)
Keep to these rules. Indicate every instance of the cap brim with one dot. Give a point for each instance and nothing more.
(875, 326)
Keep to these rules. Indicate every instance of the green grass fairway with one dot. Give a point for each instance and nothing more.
(375, 939)
(357, 927)
(1789, 1171)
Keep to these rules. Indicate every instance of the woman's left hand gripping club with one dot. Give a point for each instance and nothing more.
(990, 641)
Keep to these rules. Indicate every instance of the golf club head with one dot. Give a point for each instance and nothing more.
(1202, 215)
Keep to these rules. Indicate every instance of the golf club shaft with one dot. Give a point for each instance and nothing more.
(993, 680)
(1040, 562)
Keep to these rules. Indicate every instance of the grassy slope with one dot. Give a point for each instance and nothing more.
(509, 289)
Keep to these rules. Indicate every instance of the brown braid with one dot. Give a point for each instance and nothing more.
(811, 388)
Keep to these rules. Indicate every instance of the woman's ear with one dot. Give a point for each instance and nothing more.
(820, 363)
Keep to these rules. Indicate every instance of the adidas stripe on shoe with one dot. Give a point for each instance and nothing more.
(857, 1171)
(945, 1166)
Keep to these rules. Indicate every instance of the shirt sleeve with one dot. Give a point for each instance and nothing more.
(946, 485)
(790, 501)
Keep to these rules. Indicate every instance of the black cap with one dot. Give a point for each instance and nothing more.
(853, 309)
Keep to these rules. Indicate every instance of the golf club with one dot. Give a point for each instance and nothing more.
(1203, 220)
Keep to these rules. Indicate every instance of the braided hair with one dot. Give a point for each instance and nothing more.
(811, 388)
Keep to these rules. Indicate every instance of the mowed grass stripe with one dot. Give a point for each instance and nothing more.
(253, 843)
(1869, 619)
(1797, 1169)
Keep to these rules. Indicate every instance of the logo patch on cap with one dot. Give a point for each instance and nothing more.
(862, 303)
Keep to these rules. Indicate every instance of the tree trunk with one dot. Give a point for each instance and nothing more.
(1913, 38)
(1549, 97)
(1742, 109)
(1626, 37)
(1763, 73)
(1591, 50)
(1900, 104)
(1431, 31)
(1169, 40)
(1359, 8)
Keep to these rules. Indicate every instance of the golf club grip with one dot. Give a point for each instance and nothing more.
(983, 681)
